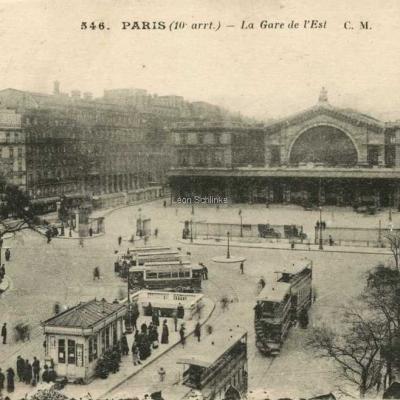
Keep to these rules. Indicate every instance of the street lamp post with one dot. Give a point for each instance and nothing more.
(128, 324)
(228, 254)
(191, 231)
(321, 242)
(241, 223)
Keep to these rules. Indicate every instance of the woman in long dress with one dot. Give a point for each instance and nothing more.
(164, 333)
(10, 380)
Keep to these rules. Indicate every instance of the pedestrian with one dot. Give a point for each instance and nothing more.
(161, 374)
(146, 238)
(153, 335)
(292, 245)
(197, 331)
(134, 315)
(165, 203)
(156, 233)
(4, 333)
(124, 345)
(90, 231)
(36, 369)
(119, 240)
(182, 335)
(331, 242)
(81, 242)
(10, 380)
(175, 317)
(164, 333)
(261, 283)
(20, 368)
(135, 354)
(155, 318)
(205, 273)
(180, 311)
(28, 372)
(2, 379)
(242, 268)
(96, 273)
(149, 311)
(7, 254)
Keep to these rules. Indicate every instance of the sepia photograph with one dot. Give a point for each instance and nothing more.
(199, 199)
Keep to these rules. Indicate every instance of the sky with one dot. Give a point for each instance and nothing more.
(261, 73)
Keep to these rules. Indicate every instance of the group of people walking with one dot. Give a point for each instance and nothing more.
(27, 372)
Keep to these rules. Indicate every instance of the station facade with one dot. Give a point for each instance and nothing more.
(324, 155)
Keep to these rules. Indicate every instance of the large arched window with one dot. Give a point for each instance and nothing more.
(324, 145)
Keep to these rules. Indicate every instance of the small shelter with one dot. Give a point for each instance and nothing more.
(77, 337)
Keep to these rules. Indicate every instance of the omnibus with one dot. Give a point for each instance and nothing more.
(279, 305)
(217, 369)
(176, 276)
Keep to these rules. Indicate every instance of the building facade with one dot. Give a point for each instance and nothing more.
(61, 145)
(324, 155)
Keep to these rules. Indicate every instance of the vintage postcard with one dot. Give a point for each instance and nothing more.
(199, 199)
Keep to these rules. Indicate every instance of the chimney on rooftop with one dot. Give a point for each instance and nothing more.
(88, 95)
(56, 87)
(76, 94)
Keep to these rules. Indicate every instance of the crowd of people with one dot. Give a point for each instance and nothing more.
(26, 372)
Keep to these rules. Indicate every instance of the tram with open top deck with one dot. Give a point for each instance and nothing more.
(177, 276)
(217, 368)
(280, 304)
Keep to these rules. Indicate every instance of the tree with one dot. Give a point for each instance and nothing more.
(382, 296)
(356, 349)
(16, 212)
(394, 243)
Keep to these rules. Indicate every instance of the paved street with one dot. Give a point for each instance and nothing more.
(43, 274)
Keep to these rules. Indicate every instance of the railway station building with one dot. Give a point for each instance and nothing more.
(323, 155)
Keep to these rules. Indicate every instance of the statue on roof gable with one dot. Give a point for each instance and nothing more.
(323, 95)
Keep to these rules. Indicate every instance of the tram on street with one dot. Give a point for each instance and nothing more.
(142, 256)
(156, 256)
(176, 276)
(217, 369)
(280, 304)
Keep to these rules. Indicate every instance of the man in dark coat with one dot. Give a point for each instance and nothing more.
(4, 333)
(164, 333)
(10, 380)
(124, 345)
(20, 368)
(149, 310)
(2, 379)
(180, 311)
(7, 254)
(182, 335)
(36, 369)
(197, 331)
(28, 372)
(134, 315)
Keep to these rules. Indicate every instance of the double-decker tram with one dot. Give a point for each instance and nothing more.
(155, 256)
(279, 306)
(142, 255)
(177, 276)
(217, 368)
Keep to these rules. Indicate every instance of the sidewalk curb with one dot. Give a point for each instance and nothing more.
(252, 246)
(102, 396)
